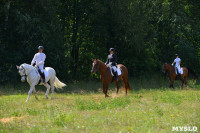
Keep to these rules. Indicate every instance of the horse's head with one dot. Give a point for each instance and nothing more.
(22, 72)
(95, 65)
(166, 67)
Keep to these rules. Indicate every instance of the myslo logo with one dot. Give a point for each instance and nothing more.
(185, 129)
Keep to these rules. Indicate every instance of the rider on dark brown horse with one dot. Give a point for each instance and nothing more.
(177, 63)
(112, 62)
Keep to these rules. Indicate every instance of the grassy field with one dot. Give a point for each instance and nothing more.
(81, 107)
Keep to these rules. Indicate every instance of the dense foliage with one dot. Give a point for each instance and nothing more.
(145, 33)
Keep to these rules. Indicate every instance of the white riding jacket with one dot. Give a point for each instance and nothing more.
(39, 59)
(177, 61)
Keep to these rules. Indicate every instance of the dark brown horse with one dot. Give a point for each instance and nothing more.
(173, 76)
(107, 78)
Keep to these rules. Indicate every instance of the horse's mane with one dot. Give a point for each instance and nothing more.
(100, 61)
(27, 66)
(169, 64)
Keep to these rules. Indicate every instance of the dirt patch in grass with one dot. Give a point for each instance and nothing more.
(10, 119)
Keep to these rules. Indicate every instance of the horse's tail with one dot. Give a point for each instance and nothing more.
(58, 83)
(128, 86)
(192, 72)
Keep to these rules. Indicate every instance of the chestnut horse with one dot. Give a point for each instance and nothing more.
(107, 78)
(173, 76)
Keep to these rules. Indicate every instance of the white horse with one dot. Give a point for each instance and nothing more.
(30, 74)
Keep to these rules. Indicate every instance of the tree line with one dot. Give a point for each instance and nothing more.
(145, 33)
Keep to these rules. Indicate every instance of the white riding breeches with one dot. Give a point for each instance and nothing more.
(179, 69)
(41, 67)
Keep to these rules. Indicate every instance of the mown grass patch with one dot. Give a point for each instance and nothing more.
(109, 103)
(145, 110)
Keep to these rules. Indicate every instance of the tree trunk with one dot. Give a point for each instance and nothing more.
(75, 47)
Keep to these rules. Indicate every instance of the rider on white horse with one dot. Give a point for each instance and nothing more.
(112, 62)
(38, 60)
(29, 73)
(177, 63)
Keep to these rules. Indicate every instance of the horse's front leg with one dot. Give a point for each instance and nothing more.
(48, 88)
(35, 93)
(182, 83)
(105, 89)
(171, 83)
(185, 81)
(30, 92)
(52, 88)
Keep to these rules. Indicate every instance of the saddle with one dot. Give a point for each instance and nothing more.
(42, 75)
(177, 71)
(178, 74)
(118, 71)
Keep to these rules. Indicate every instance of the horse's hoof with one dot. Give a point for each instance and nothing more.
(107, 96)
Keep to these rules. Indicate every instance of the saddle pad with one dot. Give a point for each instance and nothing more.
(118, 71)
(46, 73)
(181, 71)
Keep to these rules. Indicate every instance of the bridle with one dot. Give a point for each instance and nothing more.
(25, 75)
(94, 67)
(24, 71)
(107, 68)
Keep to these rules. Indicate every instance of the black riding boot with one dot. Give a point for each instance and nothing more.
(43, 76)
(116, 76)
(180, 76)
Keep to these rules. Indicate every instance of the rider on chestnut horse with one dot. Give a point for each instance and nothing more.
(177, 63)
(177, 70)
(112, 62)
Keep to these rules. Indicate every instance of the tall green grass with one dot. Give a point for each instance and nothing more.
(152, 81)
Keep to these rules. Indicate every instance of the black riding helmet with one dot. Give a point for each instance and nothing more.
(41, 47)
(176, 54)
(111, 49)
